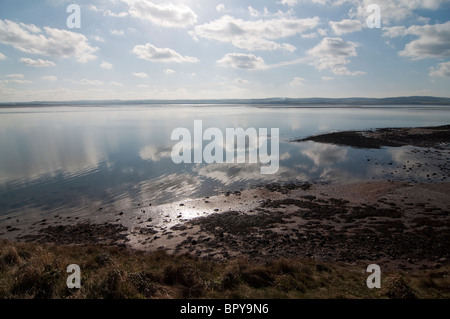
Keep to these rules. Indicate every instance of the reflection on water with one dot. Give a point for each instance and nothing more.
(70, 158)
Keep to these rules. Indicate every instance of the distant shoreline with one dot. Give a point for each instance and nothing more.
(271, 102)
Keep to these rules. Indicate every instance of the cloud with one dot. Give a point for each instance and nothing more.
(106, 65)
(50, 78)
(433, 40)
(254, 35)
(242, 61)
(290, 3)
(92, 7)
(325, 154)
(169, 71)
(117, 32)
(153, 153)
(297, 81)
(395, 11)
(151, 53)
(15, 76)
(116, 84)
(391, 11)
(18, 81)
(165, 15)
(442, 71)
(39, 63)
(311, 35)
(91, 82)
(98, 39)
(253, 12)
(140, 75)
(333, 54)
(220, 7)
(52, 42)
(2, 56)
(116, 15)
(240, 81)
(346, 26)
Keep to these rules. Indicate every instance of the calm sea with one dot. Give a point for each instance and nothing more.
(58, 158)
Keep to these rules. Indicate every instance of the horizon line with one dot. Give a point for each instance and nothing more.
(273, 100)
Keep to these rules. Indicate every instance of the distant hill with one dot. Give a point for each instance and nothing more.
(292, 102)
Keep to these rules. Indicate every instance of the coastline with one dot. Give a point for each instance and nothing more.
(403, 227)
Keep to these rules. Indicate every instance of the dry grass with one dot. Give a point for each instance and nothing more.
(39, 271)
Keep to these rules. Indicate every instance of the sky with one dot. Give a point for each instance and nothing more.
(208, 49)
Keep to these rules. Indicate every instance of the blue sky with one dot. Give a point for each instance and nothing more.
(149, 49)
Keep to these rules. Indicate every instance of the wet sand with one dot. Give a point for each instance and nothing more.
(395, 224)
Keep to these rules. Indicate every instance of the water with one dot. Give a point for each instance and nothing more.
(67, 159)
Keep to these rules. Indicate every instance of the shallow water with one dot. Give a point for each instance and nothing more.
(57, 159)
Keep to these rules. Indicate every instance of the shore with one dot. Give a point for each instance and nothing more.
(398, 225)
(403, 227)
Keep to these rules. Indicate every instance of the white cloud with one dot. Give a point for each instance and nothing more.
(50, 78)
(39, 63)
(52, 42)
(395, 11)
(290, 3)
(116, 84)
(325, 154)
(109, 13)
(297, 81)
(153, 153)
(441, 71)
(241, 81)
(165, 15)
(169, 71)
(393, 32)
(91, 82)
(327, 78)
(140, 74)
(106, 65)
(117, 32)
(346, 26)
(2, 56)
(242, 61)
(151, 53)
(333, 54)
(311, 35)
(98, 39)
(220, 7)
(254, 35)
(19, 81)
(92, 7)
(15, 76)
(433, 40)
(253, 12)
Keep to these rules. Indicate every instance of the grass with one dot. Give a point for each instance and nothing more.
(39, 271)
